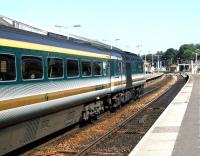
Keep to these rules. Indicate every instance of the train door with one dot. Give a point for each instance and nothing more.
(118, 75)
(124, 75)
(115, 78)
(128, 75)
(107, 73)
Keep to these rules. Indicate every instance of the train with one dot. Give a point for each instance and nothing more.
(50, 81)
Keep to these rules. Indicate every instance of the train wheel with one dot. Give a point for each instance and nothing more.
(82, 123)
(112, 109)
(95, 117)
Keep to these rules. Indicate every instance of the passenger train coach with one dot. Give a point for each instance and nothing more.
(48, 82)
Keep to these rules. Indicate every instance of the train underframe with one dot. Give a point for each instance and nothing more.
(111, 102)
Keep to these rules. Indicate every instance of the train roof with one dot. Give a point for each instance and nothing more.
(128, 56)
(19, 31)
(16, 38)
(8, 22)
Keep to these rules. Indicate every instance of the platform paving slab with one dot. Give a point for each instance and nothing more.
(164, 138)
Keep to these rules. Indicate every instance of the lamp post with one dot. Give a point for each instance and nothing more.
(127, 47)
(158, 66)
(152, 62)
(145, 58)
(67, 27)
(117, 39)
(138, 47)
(151, 57)
(196, 61)
(110, 42)
(196, 55)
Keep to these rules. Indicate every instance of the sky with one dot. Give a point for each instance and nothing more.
(143, 26)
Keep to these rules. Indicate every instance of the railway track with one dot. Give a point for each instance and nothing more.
(80, 141)
(125, 136)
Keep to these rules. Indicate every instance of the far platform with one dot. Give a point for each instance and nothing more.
(177, 130)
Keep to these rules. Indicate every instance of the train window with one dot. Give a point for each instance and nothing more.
(55, 68)
(72, 68)
(124, 68)
(97, 68)
(106, 68)
(86, 68)
(137, 68)
(118, 68)
(140, 66)
(7, 67)
(134, 68)
(32, 67)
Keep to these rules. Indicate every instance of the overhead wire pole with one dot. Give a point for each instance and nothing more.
(196, 61)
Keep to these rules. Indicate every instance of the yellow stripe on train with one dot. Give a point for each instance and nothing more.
(48, 48)
(18, 102)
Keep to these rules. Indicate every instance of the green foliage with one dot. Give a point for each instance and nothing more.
(197, 46)
(186, 52)
(149, 57)
(168, 56)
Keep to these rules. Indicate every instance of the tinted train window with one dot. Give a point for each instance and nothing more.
(124, 68)
(140, 68)
(55, 68)
(134, 67)
(106, 69)
(72, 68)
(118, 68)
(7, 67)
(97, 68)
(32, 67)
(86, 68)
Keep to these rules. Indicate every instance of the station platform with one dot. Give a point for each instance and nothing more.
(177, 131)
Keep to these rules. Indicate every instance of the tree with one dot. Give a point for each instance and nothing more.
(188, 55)
(168, 56)
(197, 46)
(186, 52)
